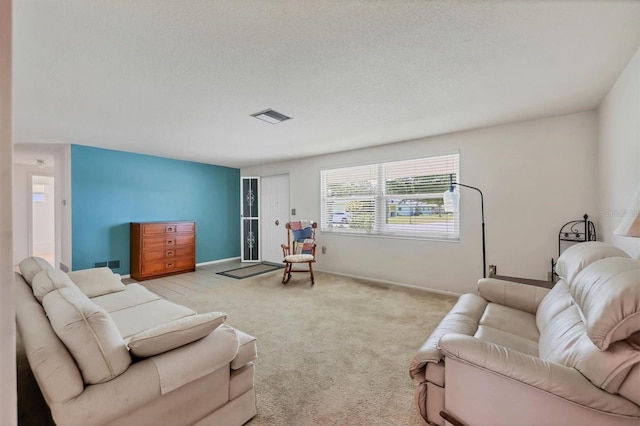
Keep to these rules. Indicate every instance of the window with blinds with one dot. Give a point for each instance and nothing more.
(396, 199)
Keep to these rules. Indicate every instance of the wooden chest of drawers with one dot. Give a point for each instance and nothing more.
(162, 248)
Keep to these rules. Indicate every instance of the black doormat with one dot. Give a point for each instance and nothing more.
(251, 271)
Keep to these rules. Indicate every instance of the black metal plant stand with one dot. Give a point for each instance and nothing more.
(574, 231)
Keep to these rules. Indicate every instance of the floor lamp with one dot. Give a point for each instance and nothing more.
(452, 203)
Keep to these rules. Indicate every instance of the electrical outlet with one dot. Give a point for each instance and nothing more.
(493, 270)
(324, 249)
(293, 212)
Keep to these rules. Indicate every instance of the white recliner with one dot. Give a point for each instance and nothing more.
(517, 354)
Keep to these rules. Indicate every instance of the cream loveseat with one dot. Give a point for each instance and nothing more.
(106, 353)
(514, 354)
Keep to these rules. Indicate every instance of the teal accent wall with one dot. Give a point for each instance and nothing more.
(110, 189)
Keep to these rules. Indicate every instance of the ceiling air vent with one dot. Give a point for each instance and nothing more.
(270, 116)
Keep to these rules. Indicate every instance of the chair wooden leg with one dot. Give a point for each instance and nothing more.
(311, 272)
(287, 273)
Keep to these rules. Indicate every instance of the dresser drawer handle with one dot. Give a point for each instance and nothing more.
(171, 229)
(170, 265)
(169, 253)
(171, 242)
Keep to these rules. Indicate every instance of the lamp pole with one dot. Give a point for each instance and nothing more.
(484, 250)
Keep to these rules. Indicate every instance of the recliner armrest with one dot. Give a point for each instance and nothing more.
(463, 318)
(514, 295)
(564, 382)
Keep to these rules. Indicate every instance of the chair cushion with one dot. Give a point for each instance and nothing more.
(30, 266)
(608, 294)
(97, 281)
(298, 258)
(303, 246)
(89, 334)
(579, 256)
(48, 280)
(174, 334)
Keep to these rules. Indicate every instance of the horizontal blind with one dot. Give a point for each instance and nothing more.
(348, 196)
(401, 198)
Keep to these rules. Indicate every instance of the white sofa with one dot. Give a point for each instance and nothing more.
(515, 354)
(105, 353)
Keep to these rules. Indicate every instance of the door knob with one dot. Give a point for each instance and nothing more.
(277, 222)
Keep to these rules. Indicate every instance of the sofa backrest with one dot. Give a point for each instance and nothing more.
(608, 295)
(577, 257)
(89, 333)
(585, 322)
(30, 266)
(53, 366)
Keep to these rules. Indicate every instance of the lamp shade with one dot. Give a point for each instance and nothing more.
(630, 224)
(451, 201)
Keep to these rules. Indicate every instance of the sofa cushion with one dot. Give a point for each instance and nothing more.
(142, 317)
(48, 280)
(89, 334)
(510, 321)
(579, 256)
(96, 281)
(30, 266)
(608, 294)
(174, 334)
(133, 295)
(509, 340)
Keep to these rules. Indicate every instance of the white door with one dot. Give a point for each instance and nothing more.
(42, 224)
(274, 213)
(249, 220)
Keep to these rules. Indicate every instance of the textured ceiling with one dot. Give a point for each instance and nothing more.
(180, 78)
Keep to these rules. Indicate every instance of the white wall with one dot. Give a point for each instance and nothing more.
(8, 395)
(619, 154)
(58, 155)
(21, 199)
(43, 225)
(535, 176)
(63, 204)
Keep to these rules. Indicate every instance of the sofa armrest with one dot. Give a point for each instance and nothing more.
(563, 382)
(197, 359)
(514, 295)
(463, 318)
(148, 379)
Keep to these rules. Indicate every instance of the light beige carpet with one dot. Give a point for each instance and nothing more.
(336, 353)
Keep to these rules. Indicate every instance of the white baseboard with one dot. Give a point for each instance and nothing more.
(211, 262)
(392, 283)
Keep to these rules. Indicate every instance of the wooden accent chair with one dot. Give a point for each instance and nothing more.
(300, 248)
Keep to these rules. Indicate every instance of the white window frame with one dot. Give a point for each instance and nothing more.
(448, 232)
